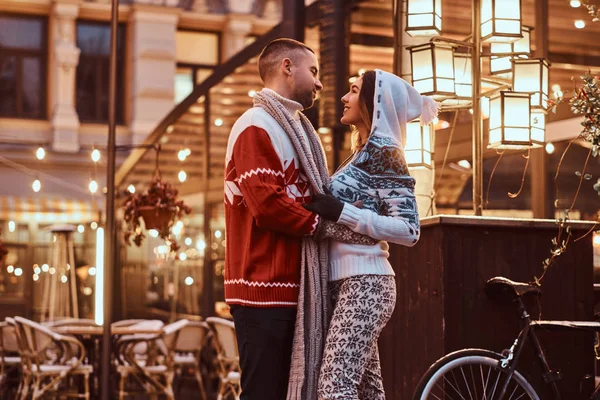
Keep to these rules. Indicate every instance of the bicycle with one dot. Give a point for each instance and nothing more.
(484, 374)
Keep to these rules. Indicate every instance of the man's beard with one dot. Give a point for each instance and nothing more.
(304, 98)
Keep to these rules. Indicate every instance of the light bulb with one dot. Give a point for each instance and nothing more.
(10, 269)
(181, 155)
(549, 148)
(579, 24)
(251, 93)
(464, 164)
(153, 233)
(182, 176)
(189, 281)
(94, 225)
(40, 153)
(188, 241)
(18, 272)
(93, 186)
(575, 3)
(131, 189)
(92, 271)
(36, 185)
(12, 226)
(45, 268)
(64, 279)
(217, 234)
(36, 277)
(182, 256)
(80, 228)
(218, 122)
(37, 270)
(96, 155)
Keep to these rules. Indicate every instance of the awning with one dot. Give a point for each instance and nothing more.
(47, 210)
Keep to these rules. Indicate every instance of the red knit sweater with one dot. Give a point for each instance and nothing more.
(265, 220)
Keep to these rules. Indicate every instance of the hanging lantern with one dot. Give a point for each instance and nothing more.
(531, 76)
(418, 149)
(500, 20)
(463, 80)
(432, 66)
(538, 127)
(522, 47)
(424, 17)
(510, 119)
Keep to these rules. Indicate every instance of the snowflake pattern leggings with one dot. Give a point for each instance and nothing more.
(362, 306)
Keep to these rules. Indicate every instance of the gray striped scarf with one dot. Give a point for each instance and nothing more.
(312, 318)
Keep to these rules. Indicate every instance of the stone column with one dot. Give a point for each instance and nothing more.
(237, 29)
(152, 59)
(425, 177)
(65, 122)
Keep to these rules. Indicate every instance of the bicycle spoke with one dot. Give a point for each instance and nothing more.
(473, 377)
(453, 387)
(495, 387)
(466, 383)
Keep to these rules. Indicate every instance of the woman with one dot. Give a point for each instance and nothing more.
(361, 279)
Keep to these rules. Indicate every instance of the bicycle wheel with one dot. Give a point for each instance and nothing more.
(471, 374)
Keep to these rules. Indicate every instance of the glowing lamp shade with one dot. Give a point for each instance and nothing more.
(463, 78)
(510, 119)
(531, 76)
(538, 127)
(424, 17)
(500, 65)
(432, 66)
(419, 141)
(500, 20)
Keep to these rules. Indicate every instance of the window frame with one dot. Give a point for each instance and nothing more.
(99, 62)
(196, 67)
(21, 53)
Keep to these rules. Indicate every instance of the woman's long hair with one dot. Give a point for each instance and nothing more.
(366, 106)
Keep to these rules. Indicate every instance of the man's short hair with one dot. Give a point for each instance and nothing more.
(277, 50)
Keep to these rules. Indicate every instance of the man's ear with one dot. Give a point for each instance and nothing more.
(286, 66)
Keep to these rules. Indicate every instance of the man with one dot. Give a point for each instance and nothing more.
(265, 187)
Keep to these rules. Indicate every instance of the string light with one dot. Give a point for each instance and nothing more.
(40, 153)
(218, 122)
(153, 233)
(36, 185)
(80, 228)
(18, 272)
(10, 269)
(94, 225)
(64, 279)
(182, 256)
(45, 268)
(93, 186)
(95, 155)
(579, 24)
(182, 176)
(549, 148)
(188, 241)
(12, 226)
(92, 271)
(131, 189)
(36, 269)
(251, 93)
(36, 277)
(218, 234)
(52, 270)
(575, 3)
(182, 155)
(189, 281)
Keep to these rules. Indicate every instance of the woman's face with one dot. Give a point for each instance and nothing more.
(351, 114)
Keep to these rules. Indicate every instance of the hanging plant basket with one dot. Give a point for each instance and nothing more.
(157, 218)
(159, 207)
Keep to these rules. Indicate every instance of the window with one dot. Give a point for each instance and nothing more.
(23, 51)
(93, 71)
(197, 55)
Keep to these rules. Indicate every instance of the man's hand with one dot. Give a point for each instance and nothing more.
(326, 205)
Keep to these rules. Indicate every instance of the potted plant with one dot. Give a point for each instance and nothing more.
(158, 206)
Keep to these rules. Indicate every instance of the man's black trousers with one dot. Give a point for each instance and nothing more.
(264, 337)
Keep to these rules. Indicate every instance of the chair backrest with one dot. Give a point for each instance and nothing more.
(192, 337)
(8, 338)
(171, 334)
(224, 331)
(141, 348)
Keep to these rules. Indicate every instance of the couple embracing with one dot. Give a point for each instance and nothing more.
(307, 274)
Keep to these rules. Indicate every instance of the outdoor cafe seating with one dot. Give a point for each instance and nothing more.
(61, 358)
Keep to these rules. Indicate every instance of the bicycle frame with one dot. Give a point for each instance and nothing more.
(511, 358)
